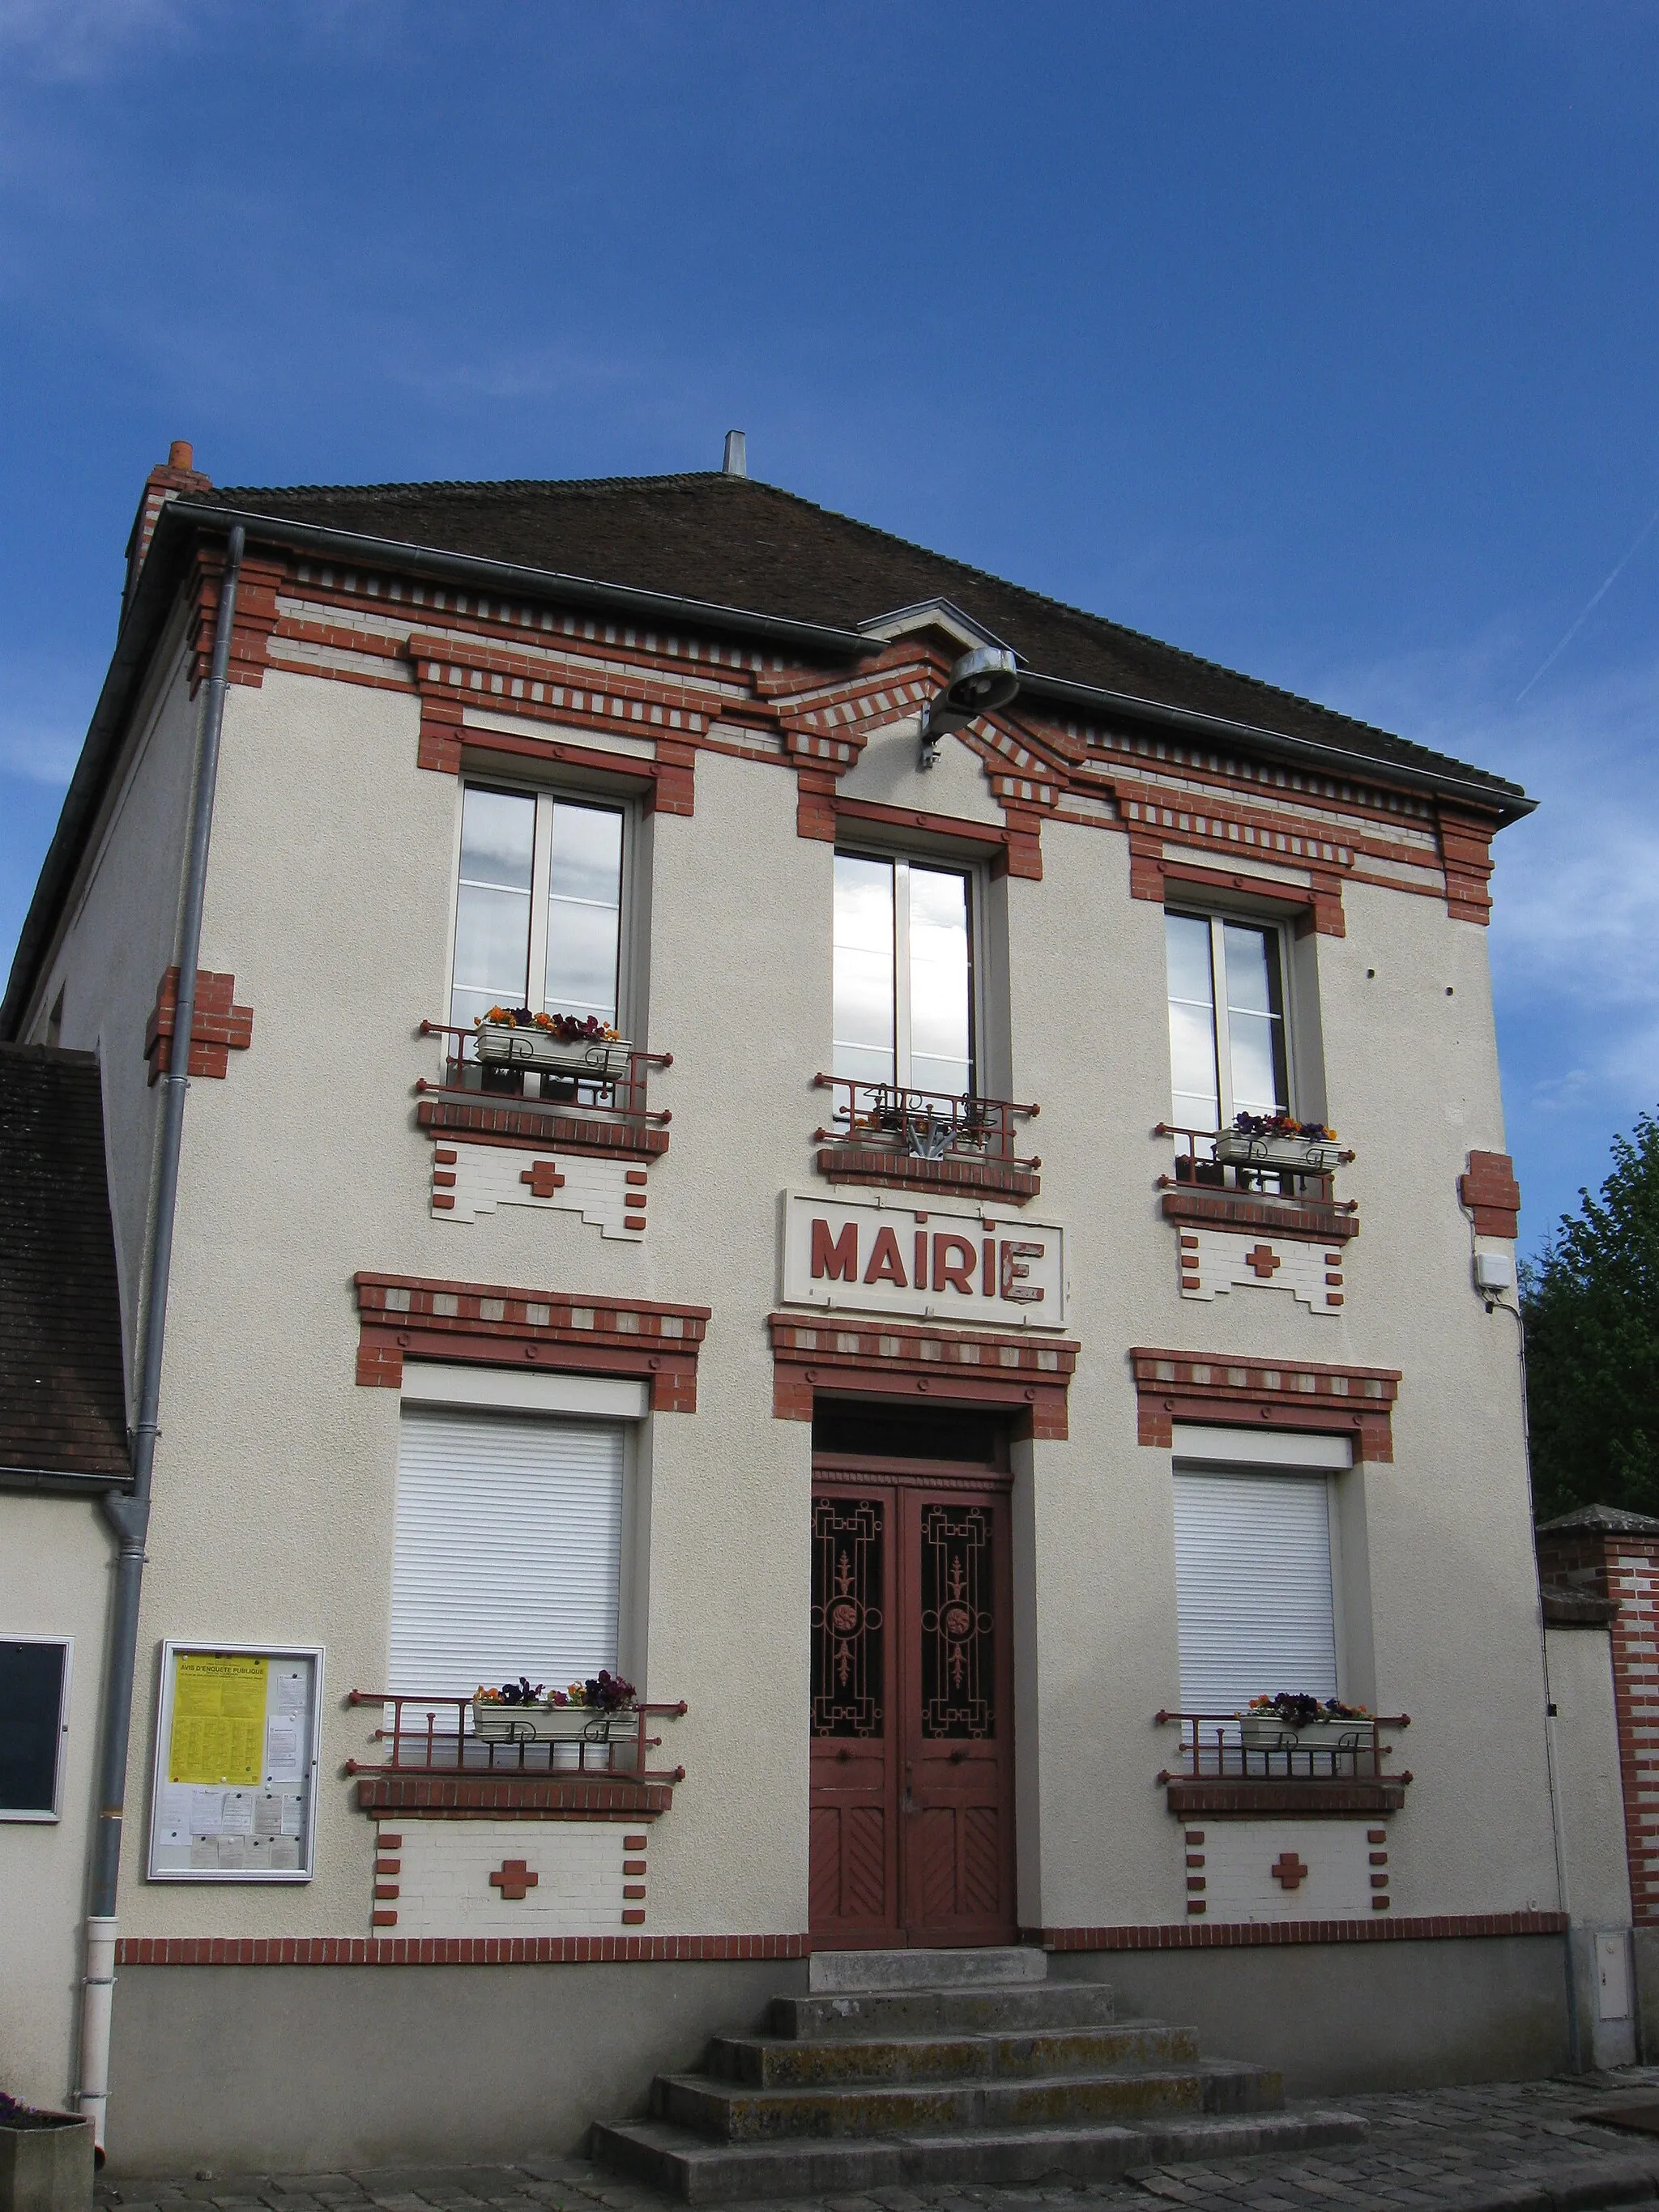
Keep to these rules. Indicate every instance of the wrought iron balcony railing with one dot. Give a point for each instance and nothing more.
(1222, 1746)
(1278, 1167)
(619, 1097)
(924, 1124)
(440, 1735)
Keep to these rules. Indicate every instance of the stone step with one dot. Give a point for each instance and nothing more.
(735, 2112)
(698, 2172)
(788, 2062)
(996, 1966)
(1038, 2006)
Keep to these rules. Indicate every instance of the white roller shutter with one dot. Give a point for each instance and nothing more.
(1253, 1587)
(507, 1552)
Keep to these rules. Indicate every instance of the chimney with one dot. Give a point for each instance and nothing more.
(178, 473)
(737, 455)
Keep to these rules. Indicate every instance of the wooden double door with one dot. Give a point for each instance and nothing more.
(913, 1799)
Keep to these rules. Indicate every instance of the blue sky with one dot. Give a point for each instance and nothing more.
(1321, 341)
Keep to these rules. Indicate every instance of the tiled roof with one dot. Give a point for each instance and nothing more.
(737, 542)
(63, 1409)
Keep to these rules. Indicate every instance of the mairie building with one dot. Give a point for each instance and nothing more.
(828, 1218)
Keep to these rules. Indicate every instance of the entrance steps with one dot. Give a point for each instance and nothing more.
(956, 2066)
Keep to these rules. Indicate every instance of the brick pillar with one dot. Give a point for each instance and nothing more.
(1590, 1551)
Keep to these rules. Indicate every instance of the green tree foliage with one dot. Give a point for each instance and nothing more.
(1591, 1303)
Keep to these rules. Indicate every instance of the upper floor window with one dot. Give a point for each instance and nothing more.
(903, 975)
(1227, 1046)
(538, 908)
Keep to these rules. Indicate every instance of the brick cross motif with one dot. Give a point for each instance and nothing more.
(1264, 1260)
(514, 1880)
(544, 1179)
(1287, 1869)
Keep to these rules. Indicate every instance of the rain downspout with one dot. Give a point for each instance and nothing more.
(128, 1512)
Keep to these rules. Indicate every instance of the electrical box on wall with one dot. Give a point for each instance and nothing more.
(1494, 1273)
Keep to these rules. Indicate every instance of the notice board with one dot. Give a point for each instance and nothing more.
(236, 1746)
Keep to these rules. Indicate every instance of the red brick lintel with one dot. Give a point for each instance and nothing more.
(405, 1316)
(857, 1356)
(1226, 1936)
(1223, 1388)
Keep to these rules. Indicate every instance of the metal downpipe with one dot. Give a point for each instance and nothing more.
(128, 1512)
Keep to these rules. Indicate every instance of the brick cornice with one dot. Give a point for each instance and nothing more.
(1292, 1394)
(410, 1316)
(1226, 1936)
(856, 1356)
(1301, 1220)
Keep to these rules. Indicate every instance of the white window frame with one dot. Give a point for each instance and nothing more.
(547, 797)
(1217, 918)
(974, 873)
(66, 1645)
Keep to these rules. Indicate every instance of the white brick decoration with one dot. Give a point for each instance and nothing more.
(443, 1887)
(476, 1179)
(1237, 1859)
(1213, 1261)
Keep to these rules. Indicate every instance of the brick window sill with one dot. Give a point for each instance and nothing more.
(507, 1122)
(1002, 1179)
(1282, 1796)
(1286, 1217)
(513, 1796)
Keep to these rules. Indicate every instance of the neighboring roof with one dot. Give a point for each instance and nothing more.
(741, 544)
(62, 1404)
(1601, 1521)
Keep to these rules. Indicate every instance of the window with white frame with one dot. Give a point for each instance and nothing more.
(1255, 1584)
(538, 908)
(1228, 1050)
(507, 1549)
(904, 974)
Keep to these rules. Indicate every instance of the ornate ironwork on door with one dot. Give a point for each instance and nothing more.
(957, 1645)
(847, 1626)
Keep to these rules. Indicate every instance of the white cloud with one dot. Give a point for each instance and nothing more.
(77, 39)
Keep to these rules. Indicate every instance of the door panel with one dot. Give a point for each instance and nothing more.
(912, 1759)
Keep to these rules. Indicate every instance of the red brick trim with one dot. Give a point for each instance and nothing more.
(405, 1316)
(1466, 855)
(1003, 1179)
(1492, 1194)
(1227, 1935)
(1251, 1800)
(1300, 1221)
(447, 1950)
(983, 840)
(1301, 1394)
(257, 582)
(861, 1358)
(1317, 907)
(512, 1797)
(217, 1027)
(502, 1122)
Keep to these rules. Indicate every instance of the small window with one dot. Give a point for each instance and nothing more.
(903, 975)
(1253, 1587)
(35, 1678)
(538, 906)
(507, 1553)
(1227, 1046)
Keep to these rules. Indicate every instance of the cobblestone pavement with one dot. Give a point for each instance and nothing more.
(1504, 2147)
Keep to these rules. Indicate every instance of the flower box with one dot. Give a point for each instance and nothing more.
(548, 1723)
(1302, 1155)
(594, 1059)
(45, 2162)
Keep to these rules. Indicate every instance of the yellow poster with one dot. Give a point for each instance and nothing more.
(218, 1719)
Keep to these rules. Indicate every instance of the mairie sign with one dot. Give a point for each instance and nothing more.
(871, 1258)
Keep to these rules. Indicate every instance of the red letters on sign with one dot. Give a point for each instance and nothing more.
(839, 1260)
(953, 1264)
(886, 1266)
(1015, 1288)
